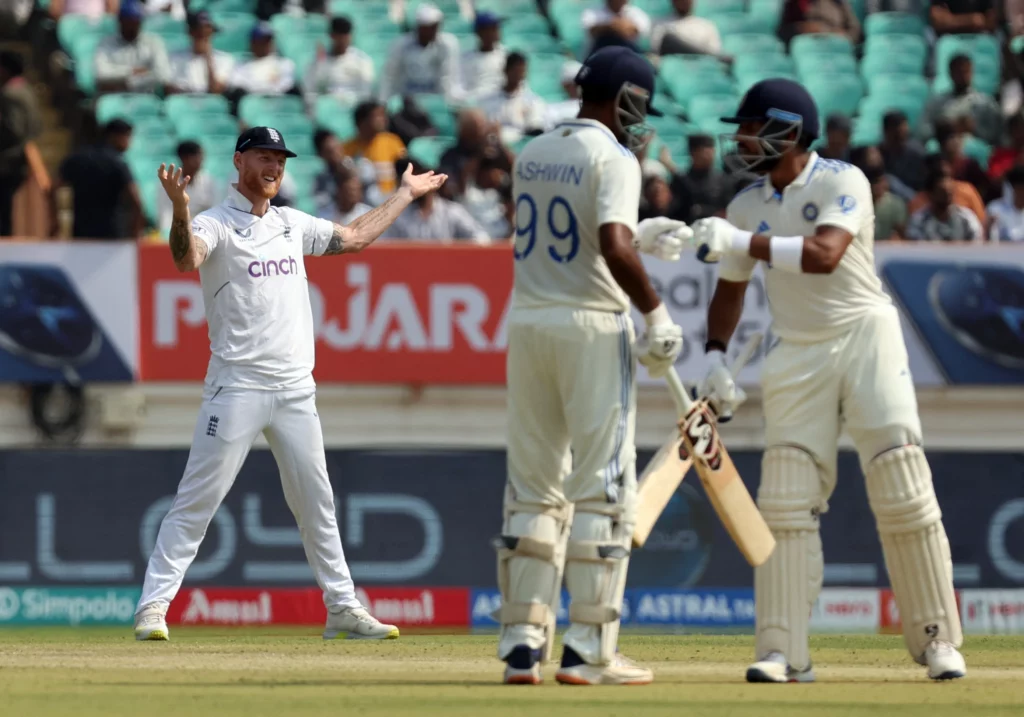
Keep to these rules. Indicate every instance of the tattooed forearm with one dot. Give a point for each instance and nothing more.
(364, 231)
(180, 239)
(337, 243)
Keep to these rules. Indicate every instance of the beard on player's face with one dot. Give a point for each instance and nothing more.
(260, 172)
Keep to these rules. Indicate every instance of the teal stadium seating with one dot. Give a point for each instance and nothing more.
(128, 106)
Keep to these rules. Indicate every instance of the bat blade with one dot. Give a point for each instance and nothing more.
(657, 484)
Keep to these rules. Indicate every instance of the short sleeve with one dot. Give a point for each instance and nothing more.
(642, 21)
(208, 230)
(735, 267)
(618, 192)
(846, 202)
(316, 233)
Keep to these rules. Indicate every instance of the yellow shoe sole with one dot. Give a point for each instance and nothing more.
(392, 635)
(156, 635)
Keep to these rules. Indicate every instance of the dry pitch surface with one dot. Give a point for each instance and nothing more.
(251, 672)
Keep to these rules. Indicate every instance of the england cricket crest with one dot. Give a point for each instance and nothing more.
(701, 431)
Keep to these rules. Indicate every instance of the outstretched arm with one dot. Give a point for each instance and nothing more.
(187, 253)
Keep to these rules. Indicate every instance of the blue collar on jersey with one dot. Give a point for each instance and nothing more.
(769, 192)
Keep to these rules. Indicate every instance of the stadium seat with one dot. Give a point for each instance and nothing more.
(912, 45)
(745, 82)
(669, 126)
(72, 28)
(294, 126)
(532, 42)
(440, 112)
(835, 94)
(890, 83)
(289, 25)
(217, 145)
(197, 125)
(128, 106)
(874, 107)
(306, 167)
(335, 114)
(177, 106)
(818, 44)
(263, 109)
(707, 8)
(234, 30)
(353, 8)
(523, 23)
(893, 23)
(450, 8)
(149, 190)
(428, 150)
(744, 43)
(867, 131)
(741, 22)
(218, 164)
(507, 8)
(377, 42)
(163, 24)
(154, 149)
(815, 65)
(704, 106)
(859, 8)
(744, 64)
(301, 144)
(878, 63)
(982, 49)
(150, 126)
(767, 12)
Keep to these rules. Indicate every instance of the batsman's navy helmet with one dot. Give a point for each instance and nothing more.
(620, 74)
(787, 112)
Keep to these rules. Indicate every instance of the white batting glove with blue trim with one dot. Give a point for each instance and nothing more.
(662, 237)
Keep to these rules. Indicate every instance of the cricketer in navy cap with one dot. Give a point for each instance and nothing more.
(262, 138)
(620, 75)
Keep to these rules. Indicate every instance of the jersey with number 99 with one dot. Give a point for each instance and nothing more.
(566, 184)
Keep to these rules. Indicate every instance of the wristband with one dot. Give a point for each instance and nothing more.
(658, 317)
(787, 254)
(714, 345)
(740, 242)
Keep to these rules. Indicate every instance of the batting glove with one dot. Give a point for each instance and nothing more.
(662, 237)
(660, 345)
(714, 237)
(720, 388)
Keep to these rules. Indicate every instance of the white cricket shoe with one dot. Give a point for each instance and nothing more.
(522, 666)
(774, 667)
(151, 622)
(944, 661)
(355, 623)
(620, 671)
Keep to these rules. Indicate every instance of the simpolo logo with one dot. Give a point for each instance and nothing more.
(10, 604)
(67, 606)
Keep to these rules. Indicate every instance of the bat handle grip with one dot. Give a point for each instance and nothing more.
(679, 393)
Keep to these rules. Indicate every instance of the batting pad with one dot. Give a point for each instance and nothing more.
(899, 485)
(787, 585)
(531, 556)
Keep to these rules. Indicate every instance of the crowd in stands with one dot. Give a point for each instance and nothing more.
(925, 97)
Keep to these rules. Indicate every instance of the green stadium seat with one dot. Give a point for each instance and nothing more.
(838, 94)
(154, 149)
(814, 65)
(129, 106)
(223, 5)
(218, 164)
(508, 8)
(878, 63)
(891, 83)
(307, 167)
(335, 114)
(771, 61)
(531, 43)
(859, 8)
(353, 8)
(235, 27)
(428, 150)
(150, 126)
(163, 24)
(193, 126)
(177, 106)
(767, 12)
(708, 8)
(683, 87)
(978, 149)
(874, 107)
(742, 22)
(669, 126)
(534, 23)
(149, 191)
(745, 82)
(72, 28)
(177, 43)
(914, 45)
(867, 131)
(266, 109)
(982, 49)
(216, 145)
(294, 126)
(703, 107)
(288, 25)
(893, 23)
(376, 42)
(441, 114)
(817, 44)
(658, 8)
(742, 44)
(301, 144)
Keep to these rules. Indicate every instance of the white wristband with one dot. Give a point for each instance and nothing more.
(787, 254)
(741, 242)
(658, 317)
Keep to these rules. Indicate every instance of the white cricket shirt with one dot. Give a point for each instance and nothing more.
(567, 183)
(812, 307)
(255, 293)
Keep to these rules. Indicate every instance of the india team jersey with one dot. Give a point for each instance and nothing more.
(813, 307)
(567, 183)
(256, 295)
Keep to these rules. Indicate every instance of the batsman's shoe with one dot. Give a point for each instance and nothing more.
(151, 623)
(775, 668)
(522, 666)
(944, 661)
(620, 671)
(354, 623)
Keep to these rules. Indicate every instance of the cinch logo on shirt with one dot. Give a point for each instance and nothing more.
(258, 269)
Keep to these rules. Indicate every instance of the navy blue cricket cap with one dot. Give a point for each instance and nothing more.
(262, 138)
(485, 18)
(131, 10)
(778, 99)
(609, 68)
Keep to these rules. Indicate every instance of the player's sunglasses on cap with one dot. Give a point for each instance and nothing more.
(262, 138)
(621, 74)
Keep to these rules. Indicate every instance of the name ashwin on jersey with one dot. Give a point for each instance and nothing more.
(550, 172)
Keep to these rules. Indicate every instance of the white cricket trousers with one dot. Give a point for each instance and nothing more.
(229, 422)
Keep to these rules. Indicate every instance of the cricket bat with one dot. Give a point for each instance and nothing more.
(668, 467)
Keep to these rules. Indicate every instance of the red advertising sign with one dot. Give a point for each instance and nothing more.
(891, 612)
(396, 313)
(441, 607)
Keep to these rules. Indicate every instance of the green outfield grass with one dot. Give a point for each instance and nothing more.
(252, 672)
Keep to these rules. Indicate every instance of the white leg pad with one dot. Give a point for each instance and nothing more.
(899, 486)
(597, 559)
(787, 585)
(531, 557)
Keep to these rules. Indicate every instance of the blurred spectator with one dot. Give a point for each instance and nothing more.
(890, 210)
(475, 136)
(903, 156)
(105, 197)
(19, 123)
(837, 138)
(411, 121)
(204, 191)
(912, 7)
(656, 198)
(485, 192)
(434, 218)
(1006, 214)
(174, 8)
(965, 168)
(267, 73)
(984, 115)
(514, 107)
(347, 199)
(346, 71)
(615, 23)
(569, 108)
(868, 159)
(201, 69)
(703, 191)
(1014, 12)
(685, 33)
(266, 9)
(940, 219)
(483, 68)
(803, 17)
(131, 60)
(89, 8)
(964, 193)
(328, 148)
(963, 16)
(1012, 91)
(425, 60)
(1002, 158)
(375, 144)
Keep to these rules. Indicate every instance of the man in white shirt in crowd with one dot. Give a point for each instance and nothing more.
(432, 218)
(423, 61)
(1006, 215)
(483, 68)
(514, 107)
(131, 60)
(204, 191)
(267, 73)
(686, 33)
(488, 194)
(346, 72)
(348, 204)
(615, 23)
(201, 69)
(568, 108)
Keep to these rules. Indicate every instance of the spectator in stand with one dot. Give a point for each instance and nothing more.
(201, 69)
(1013, 12)
(204, 191)
(940, 219)
(347, 201)
(19, 123)
(616, 22)
(266, 9)
(174, 8)
(90, 8)
(869, 158)
(951, 146)
(411, 120)
(267, 73)
(837, 138)
(903, 155)
(375, 144)
(514, 107)
(963, 16)
(656, 198)
(569, 108)
(424, 61)
(434, 219)
(890, 210)
(804, 17)
(485, 194)
(686, 34)
(964, 193)
(345, 72)
(475, 137)
(1012, 91)
(329, 149)
(483, 68)
(983, 115)
(703, 191)
(1006, 214)
(912, 7)
(105, 197)
(1003, 158)
(131, 60)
